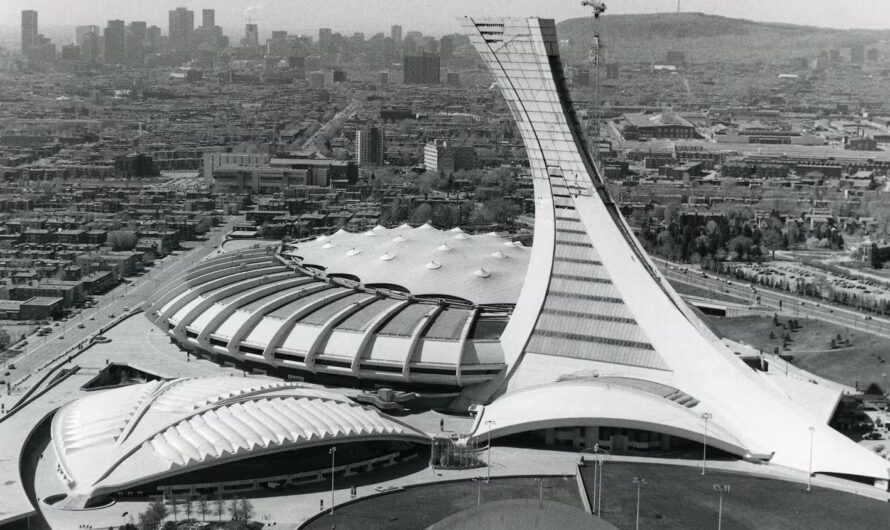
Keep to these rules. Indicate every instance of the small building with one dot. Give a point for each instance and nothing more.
(41, 308)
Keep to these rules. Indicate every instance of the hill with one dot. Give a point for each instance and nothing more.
(707, 38)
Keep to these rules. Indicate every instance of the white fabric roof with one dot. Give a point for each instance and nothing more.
(425, 260)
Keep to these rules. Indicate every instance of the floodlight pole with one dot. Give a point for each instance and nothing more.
(810, 470)
(333, 453)
(639, 483)
(720, 489)
(599, 502)
(489, 423)
(704, 455)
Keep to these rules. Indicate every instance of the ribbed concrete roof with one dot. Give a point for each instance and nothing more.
(140, 433)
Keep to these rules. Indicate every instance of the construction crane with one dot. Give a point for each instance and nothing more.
(596, 50)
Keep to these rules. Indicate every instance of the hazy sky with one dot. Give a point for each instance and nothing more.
(432, 17)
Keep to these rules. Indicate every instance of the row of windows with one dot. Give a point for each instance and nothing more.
(588, 297)
(595, 339)
(591, 316)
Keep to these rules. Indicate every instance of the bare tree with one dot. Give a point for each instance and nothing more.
(202, 506)
(219, 506)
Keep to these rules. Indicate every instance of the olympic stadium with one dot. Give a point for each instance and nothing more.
(574, 340)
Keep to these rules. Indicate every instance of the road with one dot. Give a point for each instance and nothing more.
(789, 304)
(41, 350)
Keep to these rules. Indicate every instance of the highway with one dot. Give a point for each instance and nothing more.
(791, 305)
(41, 351)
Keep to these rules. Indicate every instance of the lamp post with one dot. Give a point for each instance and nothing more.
(599, 502)
(720, 489)
(639, 483)
(810, 470)
(333, 453)
(596, 448)
(489, 423)
(704, 454)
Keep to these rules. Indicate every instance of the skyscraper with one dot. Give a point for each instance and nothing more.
(87, 37)
(324, 38)
(29, 30)
(396, 33)
(115, 42)
(423, 69)
(208, 18)
(251, 36)
(369, 146)
(182, 29)
(136, 36)
(81, 32)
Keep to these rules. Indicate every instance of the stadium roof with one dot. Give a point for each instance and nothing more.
(484, 269)
(136, 434)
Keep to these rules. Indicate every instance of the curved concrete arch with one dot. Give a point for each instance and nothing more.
(244, 292)
(249, 293)
(189, 280)
(419, 332)
(175, 302)
(373, 327)
(305, 289)
(599, 404)
(332, 322)
(221, 282)
(288, 325)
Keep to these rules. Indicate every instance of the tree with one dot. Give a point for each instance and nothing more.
(202, 506)
(219, 506)
(245, 508)
(422, 214)
(152, 517)
(123, 239)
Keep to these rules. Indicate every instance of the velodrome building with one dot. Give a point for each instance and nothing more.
(575, 340)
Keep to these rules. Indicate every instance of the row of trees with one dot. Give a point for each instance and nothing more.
(691, 238)
(497, 211)
(240, 511)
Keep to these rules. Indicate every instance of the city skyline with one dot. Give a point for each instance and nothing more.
(440, 18)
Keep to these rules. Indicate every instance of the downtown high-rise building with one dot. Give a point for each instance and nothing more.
(115, 42)
(88, 39)
(251, 36)
(181, 29)
(208, 18)
(395, 33)
(29, 30)
(422, 69)
(137, 34)
(370, 146)
(324, 38)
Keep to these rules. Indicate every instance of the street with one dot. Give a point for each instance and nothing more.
(123, 298)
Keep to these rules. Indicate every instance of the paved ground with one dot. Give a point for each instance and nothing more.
(399, 511)
(792, 305)
(681, 498)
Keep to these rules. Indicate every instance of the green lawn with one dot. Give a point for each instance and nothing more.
(678, 497)
(420, 507)
(861, 363)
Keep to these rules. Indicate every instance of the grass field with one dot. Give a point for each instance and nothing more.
(678, 497)
(861, 363)
(417, 508)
